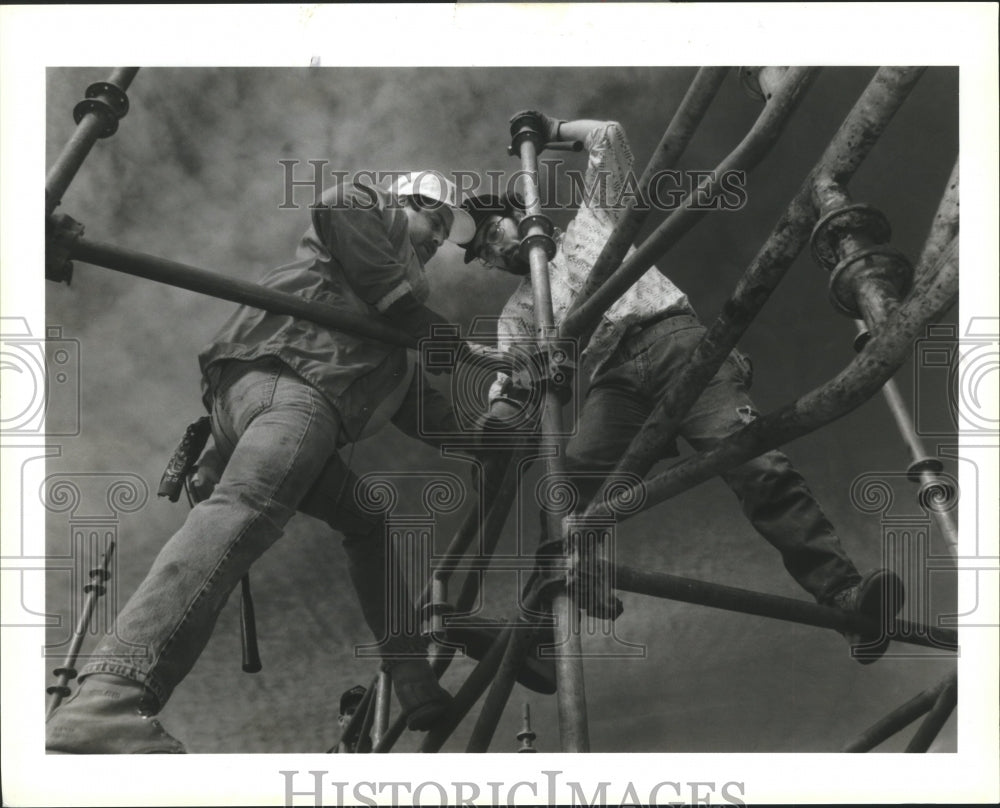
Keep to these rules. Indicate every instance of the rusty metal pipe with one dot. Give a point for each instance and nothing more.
(936, 718)
(861, 379)
(685, 121)
(849, 147)
(718, 596)
(897, 720)
(944, 228)
(90, 128)
(746, 156)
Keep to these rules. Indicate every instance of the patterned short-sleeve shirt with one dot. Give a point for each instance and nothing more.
(609, 162)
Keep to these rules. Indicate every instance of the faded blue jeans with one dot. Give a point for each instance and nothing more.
(280, 436)
(773, 495)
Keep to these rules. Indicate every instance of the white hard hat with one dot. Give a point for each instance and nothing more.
(432, 185)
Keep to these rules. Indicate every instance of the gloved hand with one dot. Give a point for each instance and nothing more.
(549, 127)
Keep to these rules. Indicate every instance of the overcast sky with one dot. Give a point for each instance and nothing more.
(193, 175)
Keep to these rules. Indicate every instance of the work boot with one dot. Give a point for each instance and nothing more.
(108, 715)
(536, 673)
(879, 595)
(422, 700)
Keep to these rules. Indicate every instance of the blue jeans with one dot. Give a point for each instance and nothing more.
(280, 437)
(773, 495)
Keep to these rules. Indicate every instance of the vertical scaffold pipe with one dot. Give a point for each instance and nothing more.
(923, 468)
(536, 239)
(849, 147)
(97, 117)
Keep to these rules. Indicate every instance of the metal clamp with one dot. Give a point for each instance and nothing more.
(61, 234)
(882, 263)
(106, 101)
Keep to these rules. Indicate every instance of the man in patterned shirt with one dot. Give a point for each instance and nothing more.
(641, 342)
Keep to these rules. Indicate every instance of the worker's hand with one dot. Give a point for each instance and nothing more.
(507, 417)
(549, 127)
(206, 475)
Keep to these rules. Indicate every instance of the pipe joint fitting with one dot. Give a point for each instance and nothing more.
(105, 100)
(880, 266)
(536, 231)
(61, 234)
(526, 126)
(837, 231)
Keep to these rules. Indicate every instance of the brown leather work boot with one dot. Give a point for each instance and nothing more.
(108, 715)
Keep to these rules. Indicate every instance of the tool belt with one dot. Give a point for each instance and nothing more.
(183, 460)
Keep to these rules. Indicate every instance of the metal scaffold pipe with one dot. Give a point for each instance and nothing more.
(718, 596)
(194, 279)
(675, 139)
(936, 718)
(744, 157)
(923, 468)
(934, 293)
(536, 231)
(97, 117)
(897, 720)
(849, 147)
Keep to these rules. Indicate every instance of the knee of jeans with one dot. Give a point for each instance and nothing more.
(247, 498)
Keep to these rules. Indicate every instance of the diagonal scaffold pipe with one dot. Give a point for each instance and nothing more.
(897, 720)
(586, 312)
(685, 121)
(852, 143)
(933, 294)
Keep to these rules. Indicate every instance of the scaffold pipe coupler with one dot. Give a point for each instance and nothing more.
(107, 102)
(851, 242)
(61, 233)
(526, 126)
(536, 231)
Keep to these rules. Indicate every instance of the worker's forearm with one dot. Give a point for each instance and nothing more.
(577, 130)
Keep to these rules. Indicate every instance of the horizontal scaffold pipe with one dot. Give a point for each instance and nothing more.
(855, 138)
(718, 596)
(194, 279)
(675, 139)
(932, 295)
(758, 142)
